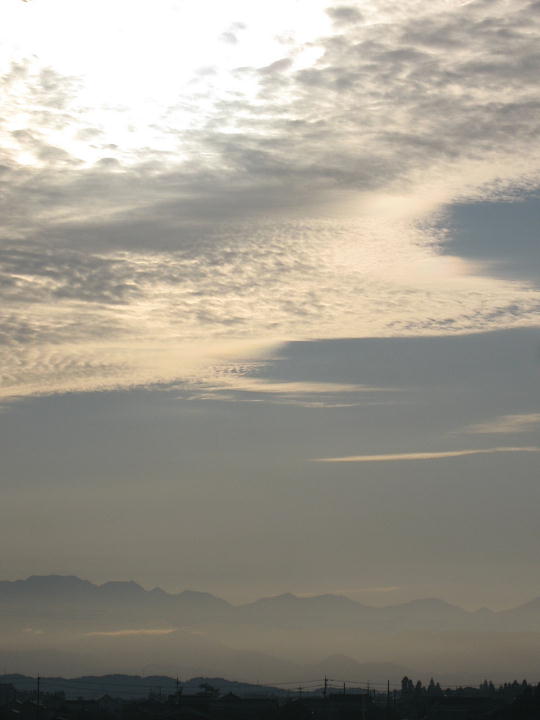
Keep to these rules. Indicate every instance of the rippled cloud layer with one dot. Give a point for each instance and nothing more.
(300, 198)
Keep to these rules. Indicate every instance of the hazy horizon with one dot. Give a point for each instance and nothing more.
(65, 625)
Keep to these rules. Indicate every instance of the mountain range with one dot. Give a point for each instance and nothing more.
(65, 625)
(69, 599)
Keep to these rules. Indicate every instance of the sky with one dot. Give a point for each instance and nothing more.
(270, 296)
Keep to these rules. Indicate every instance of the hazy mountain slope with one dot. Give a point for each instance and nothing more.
(65, 625)
(63, 601)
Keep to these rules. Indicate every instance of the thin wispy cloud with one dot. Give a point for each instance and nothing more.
(396, 457)
(505, 424)
(130, 633)
(232, 384)
(257, 385)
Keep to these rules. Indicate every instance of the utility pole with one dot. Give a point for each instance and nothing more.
(325, 686)
(37, 703)
(387, 699)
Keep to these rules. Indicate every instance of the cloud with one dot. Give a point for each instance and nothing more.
(278, 201)
(414, 96)
(391, 457)
(77, 319)
(345, 14)
(505, 424)
(129, 633)
(230, 36)
(231, 384)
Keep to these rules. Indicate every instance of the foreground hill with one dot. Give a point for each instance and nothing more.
(135, 686)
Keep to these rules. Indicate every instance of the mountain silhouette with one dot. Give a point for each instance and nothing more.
(120, 604)
(63, 624)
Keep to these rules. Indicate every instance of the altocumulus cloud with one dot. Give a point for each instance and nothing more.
(295, 201)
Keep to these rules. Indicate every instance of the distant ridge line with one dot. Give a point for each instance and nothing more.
(121, 585)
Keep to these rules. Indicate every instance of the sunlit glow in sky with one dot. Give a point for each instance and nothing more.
(133, 63)
(229, 171)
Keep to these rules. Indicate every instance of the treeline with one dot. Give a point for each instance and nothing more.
(411, 689)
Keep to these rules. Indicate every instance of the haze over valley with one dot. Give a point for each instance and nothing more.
(62, 625)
